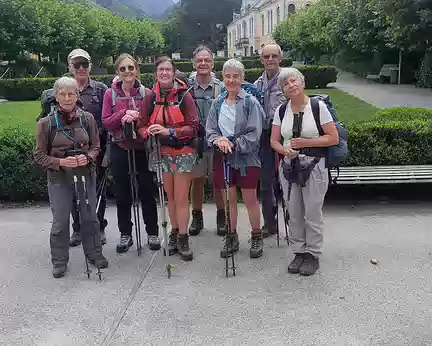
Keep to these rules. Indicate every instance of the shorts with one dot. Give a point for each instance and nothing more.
(174, 164)
(245, 181)
(204, 167)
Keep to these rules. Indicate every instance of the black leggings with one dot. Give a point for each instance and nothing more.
(146, 190)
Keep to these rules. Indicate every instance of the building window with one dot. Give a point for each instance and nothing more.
(285, 9)
(262, 24)
(271, 17)
(268, 22)
(278, 16)
(291, 8)
(229, 40)
(244, 29)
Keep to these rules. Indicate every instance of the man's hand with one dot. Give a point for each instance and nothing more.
(82, 160)
(69, 162)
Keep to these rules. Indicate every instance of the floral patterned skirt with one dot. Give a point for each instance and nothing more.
(183, 163)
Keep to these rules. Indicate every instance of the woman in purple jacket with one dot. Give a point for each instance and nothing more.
(127, 93)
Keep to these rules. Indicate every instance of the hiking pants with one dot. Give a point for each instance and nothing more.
(61, 196)
(146, 190)
(100, 173)
(267, 180)
(305, 210)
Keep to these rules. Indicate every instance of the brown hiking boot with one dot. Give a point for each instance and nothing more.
(197, 223)
(183, 247)
(257, 245)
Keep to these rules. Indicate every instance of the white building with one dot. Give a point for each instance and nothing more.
(254, 26)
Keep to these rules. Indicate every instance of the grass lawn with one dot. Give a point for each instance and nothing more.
(19, 113)
(348, 107)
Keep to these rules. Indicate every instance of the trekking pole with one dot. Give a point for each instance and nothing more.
(84, 182)
(279, 194)
(102, 186)
(78, 206)
(228, 239)
(160, 186)
(130, 136)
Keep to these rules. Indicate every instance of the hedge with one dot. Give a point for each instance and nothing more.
(27, 89)
(398, 136)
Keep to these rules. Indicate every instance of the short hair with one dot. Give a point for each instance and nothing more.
(66, 83)
(163, 59)
(202, 48)
(288, 72)
(272, 44)
(234, 64)
(124, 56)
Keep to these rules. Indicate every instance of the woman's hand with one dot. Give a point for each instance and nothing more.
(130, 116)
(224, 145)
(69, 162)
(291, 154)
(157, 129)
(82, 160)
(299, 143)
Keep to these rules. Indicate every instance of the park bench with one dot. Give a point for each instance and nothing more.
(383, 174)
(383, 74)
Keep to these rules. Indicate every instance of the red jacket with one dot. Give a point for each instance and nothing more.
(111, 118)
(149, 113)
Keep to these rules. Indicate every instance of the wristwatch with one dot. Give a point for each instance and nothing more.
(171, 132)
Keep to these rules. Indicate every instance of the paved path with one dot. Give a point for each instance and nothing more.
(348, 302)
(384, 95)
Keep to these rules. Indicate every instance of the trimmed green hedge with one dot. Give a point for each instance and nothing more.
(398, 136)
(28, 89)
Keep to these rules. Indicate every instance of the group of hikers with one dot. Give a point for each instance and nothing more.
(190, 126)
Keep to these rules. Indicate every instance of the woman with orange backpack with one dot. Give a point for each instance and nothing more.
(170, 116)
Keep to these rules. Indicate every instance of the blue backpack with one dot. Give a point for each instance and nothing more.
(336, 154)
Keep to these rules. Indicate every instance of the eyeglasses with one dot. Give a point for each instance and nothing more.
(203, 61)
(270, 56)
(83, 64)
(130, 68)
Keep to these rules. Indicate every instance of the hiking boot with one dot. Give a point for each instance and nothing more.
(296, 263)
(309, 266)
(99, 262)
(59, 270)
(125, 243)
(153, 242)
(268, 231)
(197, 223)
(172, 243)
(257, 245)
(229, 246)
(220, 223)
(103, 237)
(75, 240)
(183, 247)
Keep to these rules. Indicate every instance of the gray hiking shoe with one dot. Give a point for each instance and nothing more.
(309, 266)
(183, 247)
(229, 246)
(220, 222)
(99, 262)
(257, 245)
(75, 240)
(59, 270)
(153, 242)
(125, 243)
(296, 263)
(268, 231)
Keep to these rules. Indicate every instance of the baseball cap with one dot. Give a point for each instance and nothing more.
(79, 53)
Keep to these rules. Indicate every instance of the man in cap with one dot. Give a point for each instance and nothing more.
(92, 95)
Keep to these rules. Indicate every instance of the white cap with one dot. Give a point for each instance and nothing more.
(76, 53)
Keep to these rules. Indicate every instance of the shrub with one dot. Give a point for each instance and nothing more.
(31, 88)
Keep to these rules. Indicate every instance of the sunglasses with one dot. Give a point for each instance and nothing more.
(130, 68)
(84, 64)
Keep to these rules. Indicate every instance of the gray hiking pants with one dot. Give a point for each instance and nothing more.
(305, 210)
(61, 195)
(267, 180)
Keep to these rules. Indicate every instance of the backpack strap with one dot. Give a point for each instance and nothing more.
(282, 111)
(316, 114)
(114, 98)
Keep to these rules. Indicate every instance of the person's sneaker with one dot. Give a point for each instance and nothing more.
(309, 265)
(99, 262)
(220, 223)
(125, 243)
(197, 223)
(59, 270)
(257, 245)
(183, 247)
(268, 231)
(229, 246)
(296, 263)
(75, 240)
(153, 242)
(103, 237)
(172, 243)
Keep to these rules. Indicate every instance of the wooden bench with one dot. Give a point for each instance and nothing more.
(383, 74)
(383, 174)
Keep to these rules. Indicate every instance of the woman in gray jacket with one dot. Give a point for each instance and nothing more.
(233, 127)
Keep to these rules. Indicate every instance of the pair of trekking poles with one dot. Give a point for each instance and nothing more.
(80, 175)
